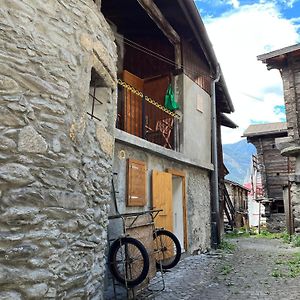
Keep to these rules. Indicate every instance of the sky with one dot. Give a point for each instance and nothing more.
(239, 32)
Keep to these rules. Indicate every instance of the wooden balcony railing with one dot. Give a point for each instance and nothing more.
(142, 116)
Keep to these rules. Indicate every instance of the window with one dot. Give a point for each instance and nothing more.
(99, 97)
(199, 103)
(136, 183)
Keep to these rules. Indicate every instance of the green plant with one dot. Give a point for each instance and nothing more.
(285, 237)
(226, 269)
(238, 232)
(293, 239)
(264, 233)
(227, 246)
(277, 273)
(288, 268)
(294, 265)
(296, 240)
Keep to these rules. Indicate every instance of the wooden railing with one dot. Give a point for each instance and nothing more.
(142, 116)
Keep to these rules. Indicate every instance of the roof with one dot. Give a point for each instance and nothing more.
(265, 129)
(204, 42)
(195, 29)
(227, 122)
(185, 19)
(237, 184)
(279, 52)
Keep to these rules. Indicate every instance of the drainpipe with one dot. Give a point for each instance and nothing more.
(215, 215)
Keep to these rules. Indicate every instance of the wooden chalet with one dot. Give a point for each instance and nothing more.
(273, 167)
(287, 61)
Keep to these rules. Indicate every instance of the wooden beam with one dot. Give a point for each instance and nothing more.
(156, 15)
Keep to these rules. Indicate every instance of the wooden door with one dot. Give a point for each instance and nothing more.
(136, 183)
(133, 105)
(162, 199)
(156, 89)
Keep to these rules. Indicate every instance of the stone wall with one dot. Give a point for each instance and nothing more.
(291, 85)
(276, 223)
(295, 197)
(55, 163)
(197, 190)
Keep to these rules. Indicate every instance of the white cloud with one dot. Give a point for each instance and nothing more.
(238, 37)
(286, 3)
(234, 3)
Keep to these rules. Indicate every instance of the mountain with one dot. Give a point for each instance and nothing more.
(238, 160)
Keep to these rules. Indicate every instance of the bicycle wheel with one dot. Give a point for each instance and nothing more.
(167, 249)
(128, 261)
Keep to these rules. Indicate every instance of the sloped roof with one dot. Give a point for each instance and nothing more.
(244, 187)
(196, 28)
(227, 122)
(264, 129)
(279, 52)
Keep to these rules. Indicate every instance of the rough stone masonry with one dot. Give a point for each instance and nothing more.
(290, 74)
(55, 162)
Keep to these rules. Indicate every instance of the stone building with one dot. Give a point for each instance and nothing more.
(163, 159)
(287, 61)
(55, 160)
(61, 62)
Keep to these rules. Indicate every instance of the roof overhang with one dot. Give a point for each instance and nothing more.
(276, 59)
(190, 9)
(259, 130)
(237, 184)
(225, 121)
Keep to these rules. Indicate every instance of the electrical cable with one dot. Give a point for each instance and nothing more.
(158, 56)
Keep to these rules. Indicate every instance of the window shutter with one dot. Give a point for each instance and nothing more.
(136, 183)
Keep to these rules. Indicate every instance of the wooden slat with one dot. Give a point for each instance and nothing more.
(162, 199)
(133, 105)
(136, 183)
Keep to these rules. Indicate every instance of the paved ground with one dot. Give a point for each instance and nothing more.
(257, 269)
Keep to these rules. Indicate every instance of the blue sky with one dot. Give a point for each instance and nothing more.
(215, 8)
(239, 32)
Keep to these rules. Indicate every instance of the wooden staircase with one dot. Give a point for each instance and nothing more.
(229, 210)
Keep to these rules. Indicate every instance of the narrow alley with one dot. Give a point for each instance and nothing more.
(256, 268)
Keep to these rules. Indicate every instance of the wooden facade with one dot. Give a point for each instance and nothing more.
(274, 170)
(273, 167)
(239, 197)
(287, 61)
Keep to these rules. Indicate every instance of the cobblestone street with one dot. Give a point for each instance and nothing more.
(256, 269)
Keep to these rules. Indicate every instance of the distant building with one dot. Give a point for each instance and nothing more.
(238, 194)
(273, 168)
(256, 210)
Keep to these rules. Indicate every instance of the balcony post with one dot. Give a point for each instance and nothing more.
(143, 117)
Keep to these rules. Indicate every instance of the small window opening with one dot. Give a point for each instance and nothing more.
(99, 95)
(280, 209)
(97, 2)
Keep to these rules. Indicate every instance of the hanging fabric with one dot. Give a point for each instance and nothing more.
(170, 102)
